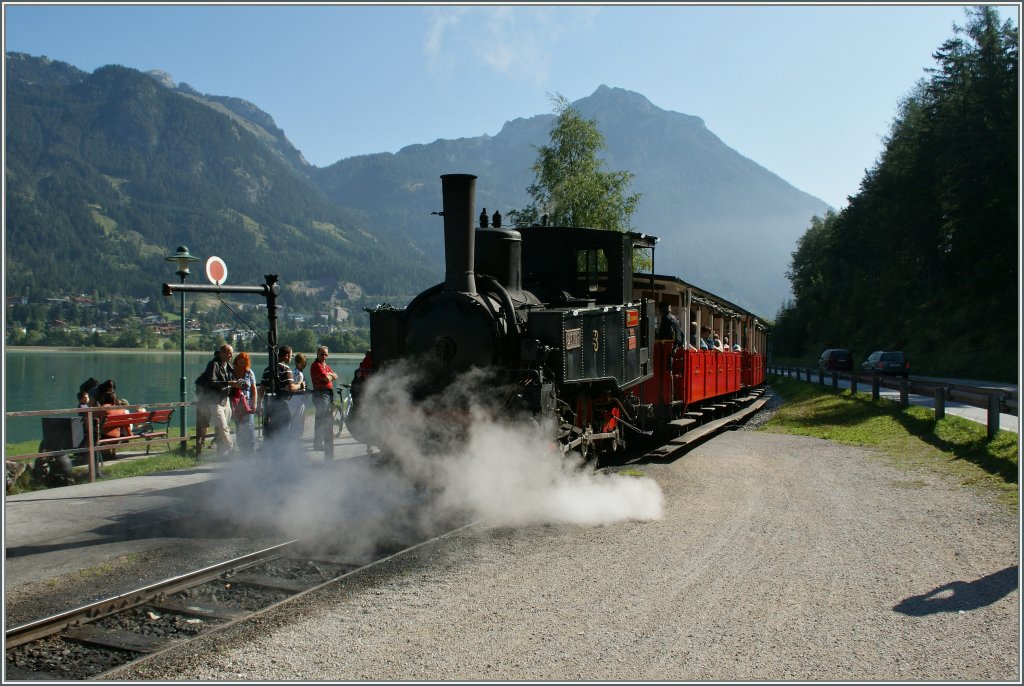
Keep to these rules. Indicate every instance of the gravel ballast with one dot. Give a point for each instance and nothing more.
(776, 558)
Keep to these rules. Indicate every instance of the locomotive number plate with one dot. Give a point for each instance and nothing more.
(573, 338)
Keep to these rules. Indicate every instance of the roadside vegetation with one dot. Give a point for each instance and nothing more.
(910, 436)
(929, 237)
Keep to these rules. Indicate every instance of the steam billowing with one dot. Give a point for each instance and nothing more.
(435, 467)
(507, 469)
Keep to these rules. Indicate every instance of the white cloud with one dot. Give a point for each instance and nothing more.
(513, 41)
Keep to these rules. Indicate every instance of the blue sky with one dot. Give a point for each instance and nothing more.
(808, 92)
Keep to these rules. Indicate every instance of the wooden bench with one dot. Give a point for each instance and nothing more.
(142, 425)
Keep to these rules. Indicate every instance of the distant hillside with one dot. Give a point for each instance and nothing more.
(725, 222)
(107, 173)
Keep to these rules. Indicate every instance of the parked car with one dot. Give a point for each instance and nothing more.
(887, 362)
(837, 359)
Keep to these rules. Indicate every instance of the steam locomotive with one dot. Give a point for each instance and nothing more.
(564, 321)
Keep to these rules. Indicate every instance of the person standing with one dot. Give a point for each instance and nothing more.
(276, 415)
(298, 399)
(323, 378)
(243, 403)
(213, 389)
(669, 329)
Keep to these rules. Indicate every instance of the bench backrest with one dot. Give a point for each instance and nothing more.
(122, 419)
(154, 417)
(161, 416)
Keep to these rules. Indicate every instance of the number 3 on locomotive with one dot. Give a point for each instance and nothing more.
(597, 339)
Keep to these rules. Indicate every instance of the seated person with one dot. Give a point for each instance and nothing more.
(109, 399)
(97, 392)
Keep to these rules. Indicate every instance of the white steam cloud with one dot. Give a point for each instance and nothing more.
(444, 462)
(506, 469)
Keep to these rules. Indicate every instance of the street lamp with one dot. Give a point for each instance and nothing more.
(182, 257)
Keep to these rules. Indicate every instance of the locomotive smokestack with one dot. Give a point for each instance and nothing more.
(459, 194)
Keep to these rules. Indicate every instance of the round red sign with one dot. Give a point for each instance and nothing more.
(216, 270)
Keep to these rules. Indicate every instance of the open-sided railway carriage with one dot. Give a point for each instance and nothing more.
(566, 321)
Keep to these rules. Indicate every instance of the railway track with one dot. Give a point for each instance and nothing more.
(90, 641)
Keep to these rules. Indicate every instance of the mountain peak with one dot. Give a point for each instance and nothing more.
(620, 97)
(618, 103)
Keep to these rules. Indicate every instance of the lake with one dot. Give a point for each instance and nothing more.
(48, 379)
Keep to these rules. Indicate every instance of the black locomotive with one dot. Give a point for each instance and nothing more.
(560, 318)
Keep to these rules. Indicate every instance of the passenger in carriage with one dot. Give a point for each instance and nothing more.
(695, 343)
(706, 340)
(717, 343)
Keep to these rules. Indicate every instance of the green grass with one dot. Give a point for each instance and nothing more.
(163, 457)
(911, 436)
(629, 471)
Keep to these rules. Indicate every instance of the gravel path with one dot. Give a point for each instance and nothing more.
(776, 558)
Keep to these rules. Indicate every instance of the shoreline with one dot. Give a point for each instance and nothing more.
(66, 349)
(126, 351)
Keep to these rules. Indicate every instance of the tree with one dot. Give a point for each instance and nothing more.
(569, 185)
(925, 250)
(303, 341)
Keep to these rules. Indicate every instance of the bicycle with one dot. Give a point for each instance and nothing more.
(339, 412)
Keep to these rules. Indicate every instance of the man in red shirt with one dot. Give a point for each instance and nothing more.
(323, 378)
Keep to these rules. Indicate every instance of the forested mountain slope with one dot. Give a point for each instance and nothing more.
(107, 173)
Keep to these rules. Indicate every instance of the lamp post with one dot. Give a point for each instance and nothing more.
(182, 257)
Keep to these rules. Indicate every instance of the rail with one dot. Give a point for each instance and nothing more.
(93, 442)
(993, 399)
(50, 625)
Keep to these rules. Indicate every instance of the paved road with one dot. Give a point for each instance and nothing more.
(1007, 422)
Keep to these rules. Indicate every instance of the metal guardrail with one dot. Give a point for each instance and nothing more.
(993, 399)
